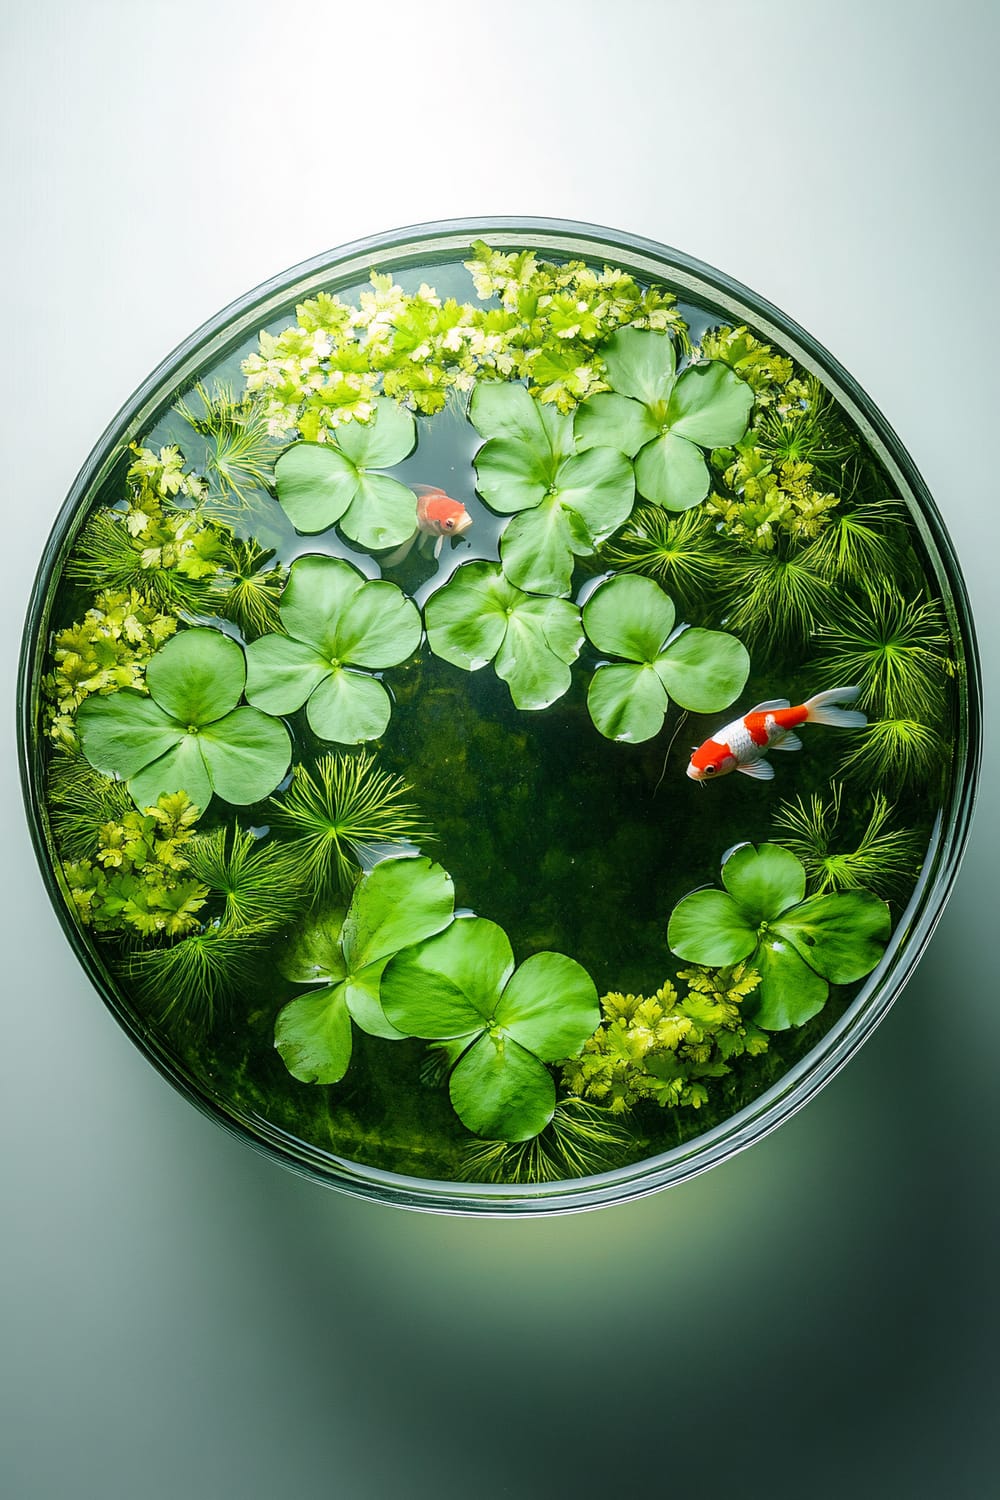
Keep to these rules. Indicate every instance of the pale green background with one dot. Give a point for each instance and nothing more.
(181, 1318)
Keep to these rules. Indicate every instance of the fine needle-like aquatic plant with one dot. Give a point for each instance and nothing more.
(776, 598)
(809, 431)
(339, 817)
(860, 545)
(882, 861)
(580, 1139)
(896, 650)
(240, 448)
(678, 551)
(900, 751)
(194, 977)
(81, 801)
(246, 590)
(258, 881)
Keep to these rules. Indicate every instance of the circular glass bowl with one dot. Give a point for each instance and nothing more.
(220, 345)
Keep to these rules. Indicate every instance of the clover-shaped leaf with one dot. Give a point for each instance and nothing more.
(797, 946)
(462, 984)
(702, 670)
(397, 903)
(479, 616)
(663, 420)
(321, 483)
(337, 623)
(564, 503)
(189, 734)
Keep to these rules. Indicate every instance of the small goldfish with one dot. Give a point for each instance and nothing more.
(437, 515)
(743, 744)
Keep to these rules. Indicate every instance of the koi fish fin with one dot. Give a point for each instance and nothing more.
(822, 709)
(760, 770)
(401, 553)
(760, 708)
(438, 545)
(788, 741)
(425, 491)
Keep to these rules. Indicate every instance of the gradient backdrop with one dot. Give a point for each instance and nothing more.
(180, 1318)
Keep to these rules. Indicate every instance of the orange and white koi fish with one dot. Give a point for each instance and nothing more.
(743, 744)
(437, 515)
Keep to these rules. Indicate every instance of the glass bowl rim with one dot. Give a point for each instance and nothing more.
(446, 239)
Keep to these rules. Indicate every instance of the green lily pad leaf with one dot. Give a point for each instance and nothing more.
(449, 985)
(387, 438)
(629, 616)
(627, 702)
(399, 902)
(197, 676)
(506, 410)
(550, 1006)
(511, 476)
(558, 426)
(313, 952)
(381, 629)
(640, 363)
(281, 673)
(383, 512)
(500, 1091)
(182, 769)
(704, 670)
(710, 405)
(708, 927)
(842, 935)
(349, 707)
(315, 484)
(608, 420)
(362, 993)
(764, 881)
(247, 753)
(599, 487)
(672, 472)
(313, 1036)
(790, 993)
(467, 619)
(124, 731)
(538, 549)
(316, 599)
(536, 672)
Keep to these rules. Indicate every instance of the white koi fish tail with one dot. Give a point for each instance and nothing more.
(822, 708)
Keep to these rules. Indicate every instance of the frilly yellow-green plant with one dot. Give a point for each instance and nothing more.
(664, 1049)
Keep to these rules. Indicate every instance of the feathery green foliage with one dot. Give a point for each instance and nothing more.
(678, 550)
(895, 649)
(193, 978)
(340, 816)
(258, 881)
(246, 590)
(776, 598)
(136, 877)
(241, 450)
(899, 751)
(883, 860)
(665, 1049)
(808, 431)
(81, 800)
(580, 1140)
(861, 545)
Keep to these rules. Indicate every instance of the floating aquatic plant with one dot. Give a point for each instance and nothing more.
(632, 618)
(247, 588)
(807, 431)
(189, 733)
(81, 800)
(342, 815)
(662, 420)
(193, 978)
(398, 903)
(322, 484)
(664, 1049)
(776, 599)
(895, 649)
(135, 877)
(340, 627)
(258, 881)
(462, 984)
(761, 501)
(860, 545)
(882, 860)
(580, 1140)
(563, 503)
(896, 751)
(479, 616)
(798, 946)
(770, 375)
(680, 552)
(240, 450)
